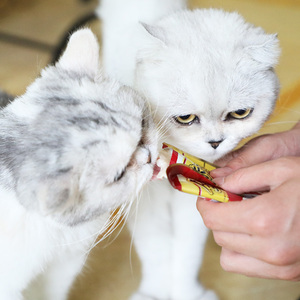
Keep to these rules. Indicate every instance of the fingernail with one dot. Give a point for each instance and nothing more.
(221, 172)
(219, 181)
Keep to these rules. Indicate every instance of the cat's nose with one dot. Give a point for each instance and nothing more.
(215, 144)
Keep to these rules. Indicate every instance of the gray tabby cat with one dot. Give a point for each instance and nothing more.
(73, 148)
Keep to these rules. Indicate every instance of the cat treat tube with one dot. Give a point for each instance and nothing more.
(190, 174)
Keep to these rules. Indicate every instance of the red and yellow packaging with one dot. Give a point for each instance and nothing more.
(190, 174)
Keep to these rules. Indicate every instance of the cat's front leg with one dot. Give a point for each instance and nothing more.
(57, 279)
(206, 295)
(189, 240)
(4, 294)
(151, 229)
(169, 236)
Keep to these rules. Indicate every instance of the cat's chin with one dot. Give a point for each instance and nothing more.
(214, 157)
(209, 156)
(157, 171)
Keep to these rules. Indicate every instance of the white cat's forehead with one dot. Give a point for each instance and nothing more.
(215, 72)
(203, 89)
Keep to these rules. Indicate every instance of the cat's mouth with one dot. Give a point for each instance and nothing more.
(156, 171)
(161, 165)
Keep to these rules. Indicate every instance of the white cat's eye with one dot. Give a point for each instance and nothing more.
(240, 113)
(186, 119)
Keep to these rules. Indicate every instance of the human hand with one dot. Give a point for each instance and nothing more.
(260, 149)
(261, 236)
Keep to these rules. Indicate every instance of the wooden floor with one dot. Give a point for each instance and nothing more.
(30, 31)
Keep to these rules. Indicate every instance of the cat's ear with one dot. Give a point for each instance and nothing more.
(266, 50)
(155, 32)
(82, 54)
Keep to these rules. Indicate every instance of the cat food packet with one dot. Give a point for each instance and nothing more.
(191, 174)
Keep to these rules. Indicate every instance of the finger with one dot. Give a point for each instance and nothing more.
(266, 216)
(297, 126)
(230, 217)
(263, 148)
(254, 152)
(250, 154)
(258, 150)
(241, 243)
(249, 266)
(221, 172)
(275, 251)
(261, 177)
(222, 162)
(257, 216)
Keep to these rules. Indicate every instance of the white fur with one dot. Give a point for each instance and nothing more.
(204, 62)
(120, 27)
(211, 70)
(30, 244)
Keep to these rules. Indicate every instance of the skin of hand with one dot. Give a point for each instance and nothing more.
(260, 237)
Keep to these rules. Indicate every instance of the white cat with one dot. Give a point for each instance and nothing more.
(210, 79)
(73, 148)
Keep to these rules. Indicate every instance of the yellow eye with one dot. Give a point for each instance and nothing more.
(186, 119)
(240, 113)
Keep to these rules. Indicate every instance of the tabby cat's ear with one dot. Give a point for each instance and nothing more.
(82, 54)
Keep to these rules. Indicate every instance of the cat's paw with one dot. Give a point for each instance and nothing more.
(208, 295)
(139, 296)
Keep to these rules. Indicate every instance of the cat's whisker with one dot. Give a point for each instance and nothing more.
(163, 128)
(117, 217)
(134, 213)
(154, 111)
(82, 240)
(283, 122)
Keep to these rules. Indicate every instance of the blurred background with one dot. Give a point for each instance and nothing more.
(31, 32)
